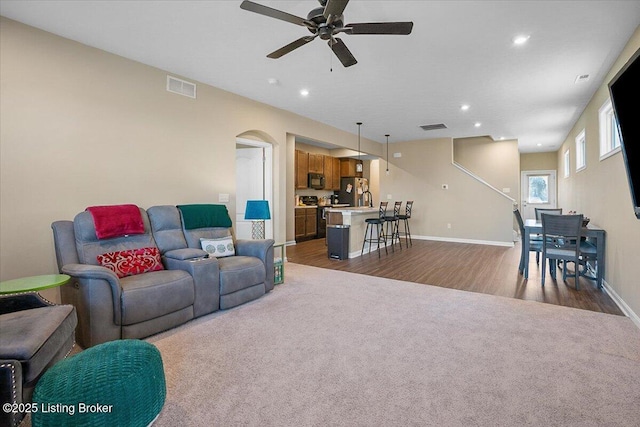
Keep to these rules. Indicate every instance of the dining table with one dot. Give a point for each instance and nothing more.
(594, 234)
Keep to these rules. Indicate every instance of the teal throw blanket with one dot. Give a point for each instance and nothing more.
(202, 216)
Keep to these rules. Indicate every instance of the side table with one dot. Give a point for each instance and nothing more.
(21, 294)
(279, 255)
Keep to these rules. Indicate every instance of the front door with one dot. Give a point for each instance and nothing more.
(538, 191)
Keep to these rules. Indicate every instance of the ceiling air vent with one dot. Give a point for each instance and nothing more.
(434, 127)
(582, 78)
(181, 87)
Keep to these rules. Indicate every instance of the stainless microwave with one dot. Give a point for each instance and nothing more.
(316, 180)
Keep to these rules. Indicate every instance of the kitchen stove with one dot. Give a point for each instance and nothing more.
(321, 215)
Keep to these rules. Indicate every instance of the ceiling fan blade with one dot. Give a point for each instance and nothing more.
(334, 7)
(398, 28)
(273, 13)
(341, 51)
(290, 47)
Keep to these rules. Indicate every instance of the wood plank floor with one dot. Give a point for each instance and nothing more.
(476, 268)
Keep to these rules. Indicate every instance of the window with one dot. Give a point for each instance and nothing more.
(538, 189)
(581, 151)
(609, 133)
(567, 166)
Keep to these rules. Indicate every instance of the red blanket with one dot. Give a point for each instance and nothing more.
(116, 220)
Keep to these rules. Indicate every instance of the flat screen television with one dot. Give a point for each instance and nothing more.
(624, 89)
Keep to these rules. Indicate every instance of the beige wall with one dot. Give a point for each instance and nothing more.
(496, 162)
(475, 211)
(539, 161)
(601, 192)
(82, 127)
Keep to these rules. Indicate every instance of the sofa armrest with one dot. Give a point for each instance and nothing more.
(206, 280)
(263, 250)
(87, 275)
(185, 254)
(255, 248)
(10, 391)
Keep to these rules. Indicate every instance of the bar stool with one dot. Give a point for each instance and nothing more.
(405, 219)
(379, 225)
(394, 222)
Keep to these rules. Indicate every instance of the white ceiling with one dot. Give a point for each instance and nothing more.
(460, 52)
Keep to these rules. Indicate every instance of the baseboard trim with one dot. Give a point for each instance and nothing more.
(458, 240)
(621, 304)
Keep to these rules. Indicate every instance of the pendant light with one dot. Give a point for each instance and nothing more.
(387, 135)
(359, 164)
(359, 124)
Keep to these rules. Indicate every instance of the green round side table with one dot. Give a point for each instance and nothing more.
(33, 283)
(21, 294)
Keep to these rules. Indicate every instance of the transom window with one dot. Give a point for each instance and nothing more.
(609, 132)
(581, 151)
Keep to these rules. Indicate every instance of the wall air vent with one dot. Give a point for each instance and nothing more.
(181, 87)
(434, 127)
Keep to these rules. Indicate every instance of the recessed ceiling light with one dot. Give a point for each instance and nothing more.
(304, 92)
(464, 107)
(519, 40)
(539, 145)
(273, 81)
(477, 124)
(502, 138)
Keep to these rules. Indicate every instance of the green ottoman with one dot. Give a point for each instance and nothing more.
(119, 383)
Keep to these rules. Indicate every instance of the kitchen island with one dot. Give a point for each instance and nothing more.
(355, 219)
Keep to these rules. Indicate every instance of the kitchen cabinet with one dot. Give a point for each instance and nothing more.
(328, 173)
(301, 168)
(316, 163)
(306, 223)
(349, 167)
(336, 174)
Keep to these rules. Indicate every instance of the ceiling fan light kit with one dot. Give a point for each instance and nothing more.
(326, 22)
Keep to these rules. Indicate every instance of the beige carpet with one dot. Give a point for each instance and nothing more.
(329, 348)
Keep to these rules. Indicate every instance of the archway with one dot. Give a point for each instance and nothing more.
(254, 181)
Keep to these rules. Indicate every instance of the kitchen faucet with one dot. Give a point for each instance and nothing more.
(370, 198)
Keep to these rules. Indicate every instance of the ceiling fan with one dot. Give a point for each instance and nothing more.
(325, 22)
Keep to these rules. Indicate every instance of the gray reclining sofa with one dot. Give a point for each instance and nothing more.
(190, 285)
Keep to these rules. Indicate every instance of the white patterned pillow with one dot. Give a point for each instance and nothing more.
(218, 247)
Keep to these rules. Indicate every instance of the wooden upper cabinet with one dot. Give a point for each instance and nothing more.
(302, 169)
(348, 167)
(316, 163)
(306, 163)
(328, 172)
(336, 174)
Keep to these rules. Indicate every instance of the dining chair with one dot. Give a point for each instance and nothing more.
(535, 243)
(551, 211)
(540, 211)
(561, 242)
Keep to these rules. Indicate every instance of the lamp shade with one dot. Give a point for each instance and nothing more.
(257, 209)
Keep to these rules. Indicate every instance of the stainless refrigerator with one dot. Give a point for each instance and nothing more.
(355, 191)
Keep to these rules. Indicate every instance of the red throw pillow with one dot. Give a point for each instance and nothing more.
(132, 262)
